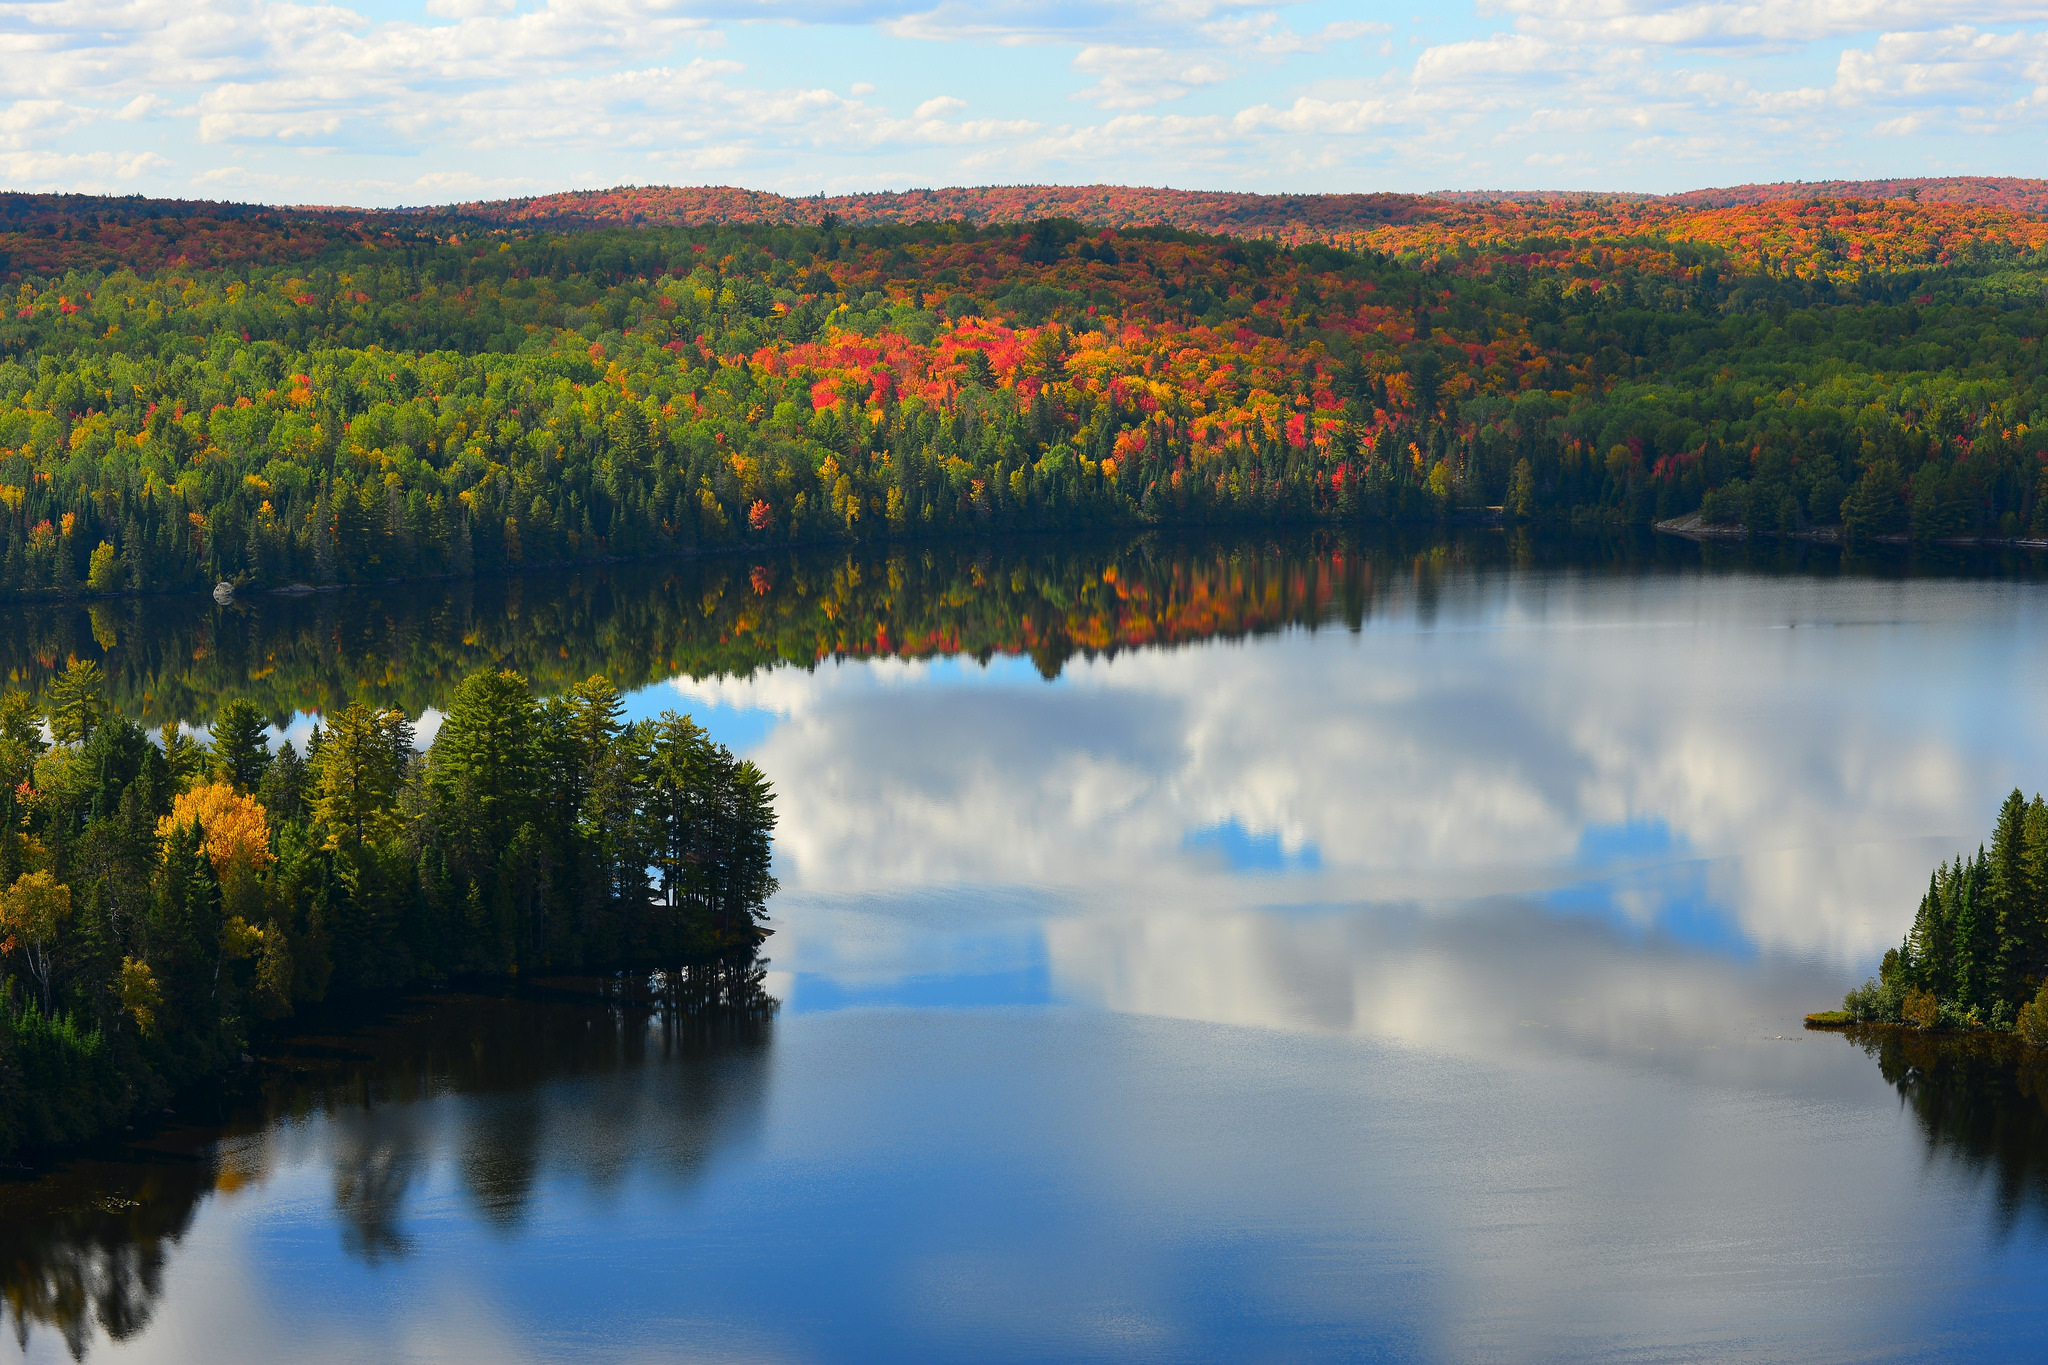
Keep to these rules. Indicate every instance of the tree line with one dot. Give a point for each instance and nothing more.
(159, 897)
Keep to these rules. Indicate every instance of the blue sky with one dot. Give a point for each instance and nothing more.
(423, 101)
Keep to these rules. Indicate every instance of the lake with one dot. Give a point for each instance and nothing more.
(1287, 948)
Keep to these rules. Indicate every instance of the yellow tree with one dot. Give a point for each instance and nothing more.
(236, 833)
(32, 911)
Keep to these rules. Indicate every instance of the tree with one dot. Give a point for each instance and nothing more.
(362, 760)
(185, 756)
(1939, 509)
(104, 570)
(2009, 891)
(32, 913)
(236, 833)
(77, 702)
(241, 751)
(482, 766)
(1873, 507)
(1976, 938)
(679, 759)
(282, 792)
(141, 997)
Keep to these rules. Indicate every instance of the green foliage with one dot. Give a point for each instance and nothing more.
(76, 702)
(521, 841)
(400, 407)
(1977, 954)
(241, 754)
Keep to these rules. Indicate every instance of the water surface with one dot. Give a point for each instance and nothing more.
(1287, 950)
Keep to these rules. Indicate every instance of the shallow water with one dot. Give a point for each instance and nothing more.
(1346, 952)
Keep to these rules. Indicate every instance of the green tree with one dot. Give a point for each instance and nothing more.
(2008, 889)
(481, 769)
(241, 751)
(1873, 507)
(363, 758)
(282, 790)
(104, 572)
(77, 702)
(1976, 939)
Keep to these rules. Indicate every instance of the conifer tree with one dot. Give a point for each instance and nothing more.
(2006, 891)
(76, 702)
(240, 751)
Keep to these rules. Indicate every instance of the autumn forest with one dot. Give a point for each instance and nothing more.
(198, 393)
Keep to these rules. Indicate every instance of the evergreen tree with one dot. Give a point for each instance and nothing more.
(241, 751)
(2008, 894)
(1976, 938)
(362, 759)
(77, 702)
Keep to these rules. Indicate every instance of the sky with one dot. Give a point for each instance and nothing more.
(384, 102)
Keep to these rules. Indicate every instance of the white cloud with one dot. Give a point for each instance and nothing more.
(1133, 77)
(541, 94)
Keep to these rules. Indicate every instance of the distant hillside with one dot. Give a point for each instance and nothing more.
(1839, 227)
(1288, 217)
(1997, 192)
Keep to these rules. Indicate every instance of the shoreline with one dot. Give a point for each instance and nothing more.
(1690, 527)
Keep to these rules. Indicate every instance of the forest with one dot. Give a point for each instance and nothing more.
(194, 394)
(1977, 954)
(161, 898)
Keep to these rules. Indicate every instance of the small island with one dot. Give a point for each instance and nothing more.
(1974, 958)
(160, 897)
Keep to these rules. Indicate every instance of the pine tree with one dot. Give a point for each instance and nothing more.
(2033, 963)
(1976, 939)
(76, 702)
(2006, 891)
(240, 750)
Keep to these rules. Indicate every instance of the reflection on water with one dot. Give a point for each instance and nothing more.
(1048, 601)
(592, 1081)
(1981, 1102)
(1188, 950)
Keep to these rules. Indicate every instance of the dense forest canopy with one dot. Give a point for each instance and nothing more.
(272, 397)
(160, 896)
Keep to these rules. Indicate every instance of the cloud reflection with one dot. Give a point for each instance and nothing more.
(1801, 751)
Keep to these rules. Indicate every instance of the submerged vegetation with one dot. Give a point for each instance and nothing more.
(273, 398)
(1977, 954)
(157, 898)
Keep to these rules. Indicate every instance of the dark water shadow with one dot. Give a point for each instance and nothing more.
(1981, 1104)
(586, 1080)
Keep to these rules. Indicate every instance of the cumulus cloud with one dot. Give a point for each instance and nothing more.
(540, 94)
(1132, 77)
(1642, 748)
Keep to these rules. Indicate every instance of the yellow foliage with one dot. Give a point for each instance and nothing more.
(32, 909)
(239, 939)
(141, 997)
(235, 827)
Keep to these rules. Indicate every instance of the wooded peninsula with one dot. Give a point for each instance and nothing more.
(158, 899)
(1977, 954)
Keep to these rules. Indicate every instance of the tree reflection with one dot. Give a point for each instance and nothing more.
(1981, 1101)
(573, 1083)
(86, 1247)
(179, 658)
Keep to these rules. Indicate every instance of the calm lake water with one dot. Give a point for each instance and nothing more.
(1282, 950)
